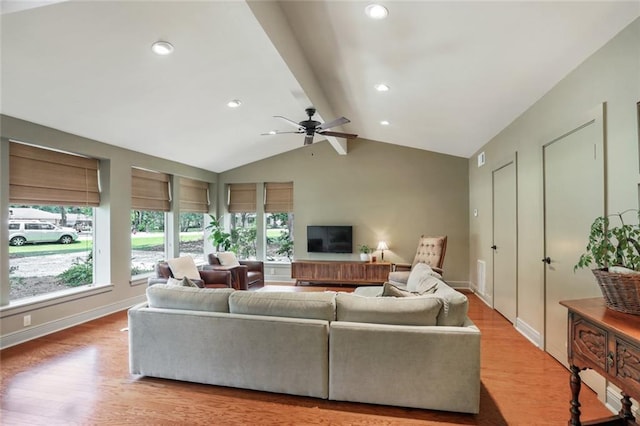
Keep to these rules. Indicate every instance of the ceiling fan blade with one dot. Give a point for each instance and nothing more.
(339, 134)
(337, 122)
(278, 132)
(308, 139)
(286, 120)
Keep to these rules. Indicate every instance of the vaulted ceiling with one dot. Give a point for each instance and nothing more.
(458, 71)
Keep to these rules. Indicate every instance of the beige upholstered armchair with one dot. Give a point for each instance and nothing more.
(430, 251)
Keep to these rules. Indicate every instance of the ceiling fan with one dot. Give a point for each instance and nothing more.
(310, 127)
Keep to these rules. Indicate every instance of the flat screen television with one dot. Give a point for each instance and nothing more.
(329, 239)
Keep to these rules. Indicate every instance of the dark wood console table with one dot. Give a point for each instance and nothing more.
(609, 343)
(344, 272)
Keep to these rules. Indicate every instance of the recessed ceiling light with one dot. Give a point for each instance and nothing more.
(235, 103)
(384, 122)
(162, 48)
(376, 11)
(273, 132)
(381, 87)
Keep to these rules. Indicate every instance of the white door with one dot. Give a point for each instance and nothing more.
(505, 241)
(573, 198)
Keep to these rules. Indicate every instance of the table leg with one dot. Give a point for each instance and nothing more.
(625, 411)
(575, 383)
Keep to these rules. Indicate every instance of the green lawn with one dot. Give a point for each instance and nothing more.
(138, 242)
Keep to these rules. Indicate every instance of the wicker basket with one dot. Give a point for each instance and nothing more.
(621, 291)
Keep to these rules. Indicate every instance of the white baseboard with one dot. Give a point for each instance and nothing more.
(40, 330)
(465, 285)
(529, 332)
(614, 404)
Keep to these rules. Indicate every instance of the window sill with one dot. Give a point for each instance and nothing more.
(56, 298)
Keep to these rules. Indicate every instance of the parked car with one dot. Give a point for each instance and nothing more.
(22, 232)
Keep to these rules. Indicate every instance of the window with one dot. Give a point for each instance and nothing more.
(150, 201)
(52, 196)
(50, 256)
(242, 206)
(194, 204)
(278, 209)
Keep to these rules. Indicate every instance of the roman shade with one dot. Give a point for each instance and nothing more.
(194, 195)
(278, 197)
(45, 177)
(242, 197)
(149, 190)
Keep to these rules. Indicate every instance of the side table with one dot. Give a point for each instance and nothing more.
(608, 342)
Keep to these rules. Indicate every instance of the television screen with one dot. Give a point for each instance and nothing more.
(329, 239)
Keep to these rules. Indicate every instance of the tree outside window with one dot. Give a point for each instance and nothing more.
(279, 233)
(192, 236)
(244, 235)
(147, 240)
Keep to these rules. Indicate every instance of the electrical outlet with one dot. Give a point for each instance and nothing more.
(26, 320)
(273, 271)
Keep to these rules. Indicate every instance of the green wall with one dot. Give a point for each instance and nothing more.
(611, 75)
(386, 192)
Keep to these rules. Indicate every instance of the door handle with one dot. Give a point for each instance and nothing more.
(493, 247)
(547, 260)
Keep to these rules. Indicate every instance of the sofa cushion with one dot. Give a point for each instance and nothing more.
(311, 305)
(422, 279)
(389, 289)
(184, 267)
(228, 258)
(455, 305)
(189, 298)
(387, 310)
(184, 282)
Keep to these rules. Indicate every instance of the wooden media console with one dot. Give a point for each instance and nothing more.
(343, 272)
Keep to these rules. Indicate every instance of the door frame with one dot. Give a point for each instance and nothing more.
(598, 117)
(512, 160)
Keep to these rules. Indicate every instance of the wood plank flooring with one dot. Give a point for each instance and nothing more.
(80, 376)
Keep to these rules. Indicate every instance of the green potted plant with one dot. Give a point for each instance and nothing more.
(615, 252)
(220, 239)
(365, 252)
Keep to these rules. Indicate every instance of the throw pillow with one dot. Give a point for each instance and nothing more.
(184, 267)
(390, 290)
(422, 279)
(186, 282)
(174, 282)
(228, 258)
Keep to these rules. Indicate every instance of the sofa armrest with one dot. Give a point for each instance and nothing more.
(155, 280)
(238, 274)
(401, 267)
(216, 277)
(253, 265)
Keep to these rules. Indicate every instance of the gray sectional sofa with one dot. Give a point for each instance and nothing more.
(338, 346)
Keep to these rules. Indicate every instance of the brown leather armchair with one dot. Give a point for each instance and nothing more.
(248, 274)
(209, 278)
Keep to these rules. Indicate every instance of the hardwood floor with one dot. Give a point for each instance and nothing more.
(80, 376)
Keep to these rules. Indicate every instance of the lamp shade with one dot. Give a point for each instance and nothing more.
(382, 246)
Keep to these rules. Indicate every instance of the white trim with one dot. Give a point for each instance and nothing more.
(40, 330)
(529, 332)
(29, 304)
(613, 403)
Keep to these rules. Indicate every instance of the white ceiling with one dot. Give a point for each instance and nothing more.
(459, 71)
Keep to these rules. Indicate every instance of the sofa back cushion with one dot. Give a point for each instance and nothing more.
(387, 310)
(455, 305)
(189, 298)
(312, 305)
